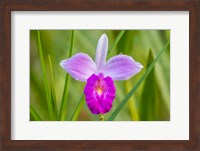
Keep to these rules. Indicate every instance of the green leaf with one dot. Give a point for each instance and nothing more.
(44, 77)
(148, 99)
(115, 42)
(35, 114)
(131, 104)
(63, 109)
(152, 105)
(77, 110)
(53, 94)
(125, 100)
(38, 91)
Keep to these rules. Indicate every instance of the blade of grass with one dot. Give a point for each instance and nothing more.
(131, 103)
(77, 110)
(53, 94)
(47, 90)
(125, 100)
(152, 106)
(115, 42)
(35, 114)
(147, 106)
(63, 108)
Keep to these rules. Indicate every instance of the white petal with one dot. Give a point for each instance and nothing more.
(79, 66)
(101, 51)
(121, 67)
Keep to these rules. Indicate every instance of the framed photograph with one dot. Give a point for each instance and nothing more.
(108, 75)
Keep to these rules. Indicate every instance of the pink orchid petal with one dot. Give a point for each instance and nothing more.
(101, 51)
(99, 94)
(79, 66)
(121, 67)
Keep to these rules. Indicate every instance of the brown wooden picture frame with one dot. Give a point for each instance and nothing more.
(7, 6)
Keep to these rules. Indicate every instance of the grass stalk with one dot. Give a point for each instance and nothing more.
(77, 110)
(63, 108)
(44, 77)
(116, 42)
(131, 103)
(53, 94)
(35, 114)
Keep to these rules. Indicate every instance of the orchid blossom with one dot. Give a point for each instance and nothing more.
(100, 75)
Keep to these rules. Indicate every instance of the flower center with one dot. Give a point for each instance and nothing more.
(100, 86)
(99, 91)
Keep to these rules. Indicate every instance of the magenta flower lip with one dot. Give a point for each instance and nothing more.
(99, 93)
(100, 75)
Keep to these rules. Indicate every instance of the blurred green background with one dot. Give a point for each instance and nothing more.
(150, 102)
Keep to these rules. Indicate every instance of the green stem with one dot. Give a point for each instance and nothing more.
(53, 94)
(101, 117)
(63, 109)
(35, 114)
(44, 77)
(116, 41)
(131, 103)
(77, 110)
